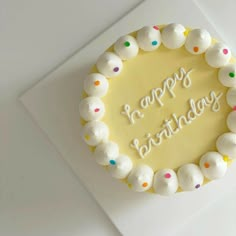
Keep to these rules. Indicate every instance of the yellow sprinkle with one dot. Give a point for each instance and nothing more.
(87, 137)
(186, 32)
(226, 158)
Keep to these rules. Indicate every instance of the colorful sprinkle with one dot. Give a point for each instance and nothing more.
(116, 69)
(186, 32)
(167, 175)
(145, 184)
(112, 162)
(154, 43)
(87, 137)
(198, 186)
(156, 27)
(234, 108)
(195, 49)
(225, 51)
(96, 109)
(130, 185)
(231, 74)
(127, 44)
(97, 82)
(226, 158)
(207, 165)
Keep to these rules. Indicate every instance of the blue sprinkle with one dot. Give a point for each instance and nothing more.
(112, 162)
(154, 43)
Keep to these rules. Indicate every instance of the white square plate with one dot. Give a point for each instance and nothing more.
(53, 104)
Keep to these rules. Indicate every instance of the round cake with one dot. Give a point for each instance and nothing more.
(158, 109)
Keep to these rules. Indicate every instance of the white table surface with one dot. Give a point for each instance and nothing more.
(39, 195)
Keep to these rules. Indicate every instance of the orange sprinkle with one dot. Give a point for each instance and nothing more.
(207, 165)
(195, 49)
(97, 82)
(145, 184)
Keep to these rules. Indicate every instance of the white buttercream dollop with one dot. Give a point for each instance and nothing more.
(190, 177)
(218, 55)
(96, 85)
(231, 97)
(109, 64)
(120, 167)
(198, 41)
(106, 152)
(227, 75)
(126, 47)
(141, 177)
(231, 121)
(172, 36)
(95, 132)
(91, 108)
(226, 145)
(149, 38)
(213, 165)
(165, 182)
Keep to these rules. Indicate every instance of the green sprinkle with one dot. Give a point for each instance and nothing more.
(112, 162)
(127, 44)
(231, 74)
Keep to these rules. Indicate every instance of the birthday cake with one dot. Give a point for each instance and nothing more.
(158, 109)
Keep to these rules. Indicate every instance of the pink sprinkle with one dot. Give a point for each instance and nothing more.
(155, 27)
(97, 110)
(225, 51)
(234, 108)
(167, 175)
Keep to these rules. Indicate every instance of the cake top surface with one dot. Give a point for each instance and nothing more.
(156, 102)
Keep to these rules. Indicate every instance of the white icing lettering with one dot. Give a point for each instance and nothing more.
(196, 109)
(131, 115)
(167, 85)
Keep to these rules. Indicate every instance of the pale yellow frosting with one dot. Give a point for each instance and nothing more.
(147, 71)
